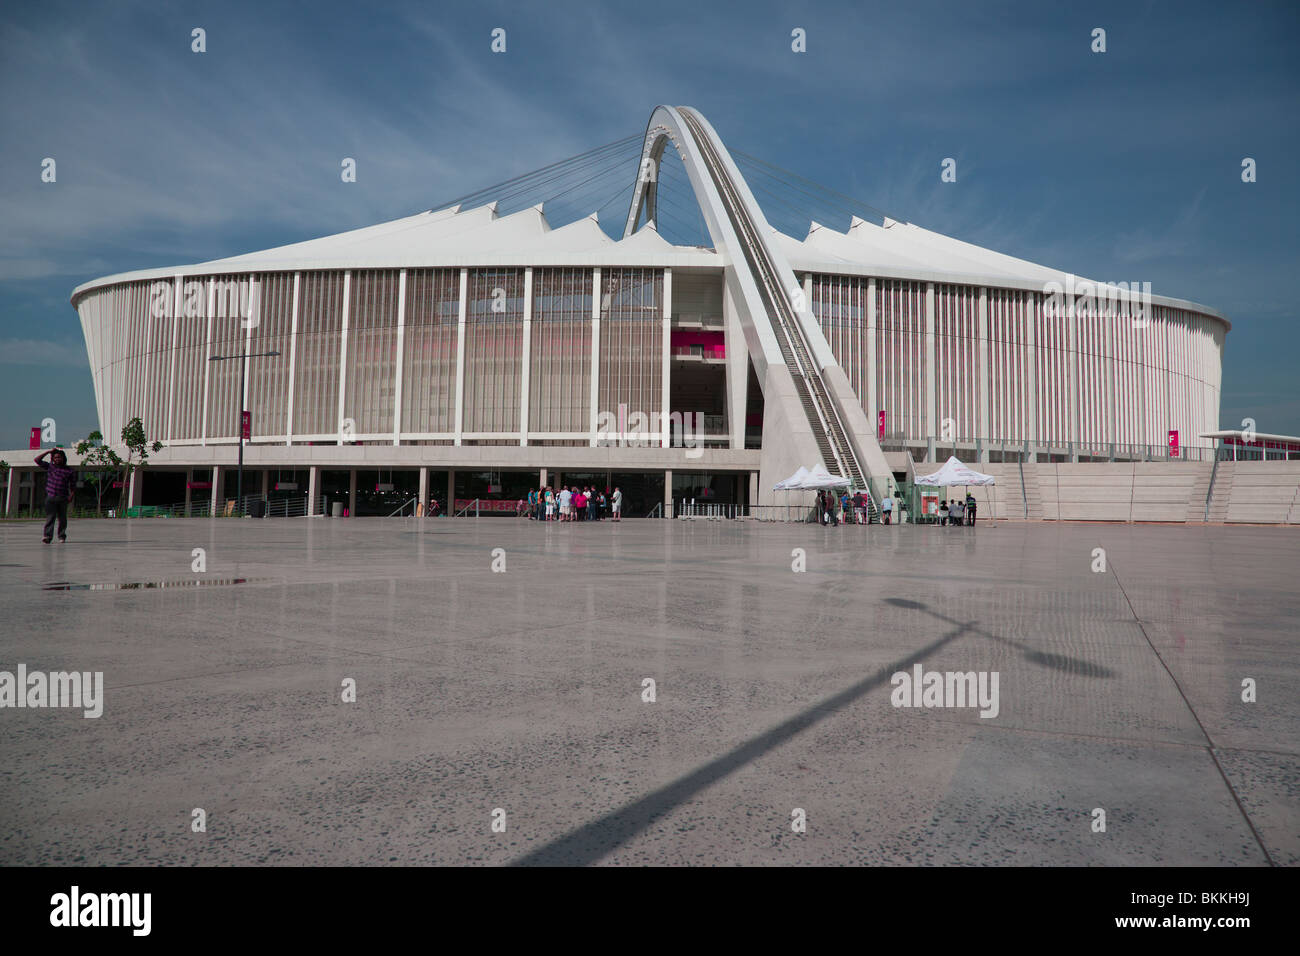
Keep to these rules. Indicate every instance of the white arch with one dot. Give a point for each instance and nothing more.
(667, 124)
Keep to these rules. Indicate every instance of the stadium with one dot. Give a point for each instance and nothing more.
(493, 344)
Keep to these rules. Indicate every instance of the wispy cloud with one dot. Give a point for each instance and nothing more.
(42, 352)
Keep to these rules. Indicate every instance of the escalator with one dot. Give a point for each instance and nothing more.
(829, 433)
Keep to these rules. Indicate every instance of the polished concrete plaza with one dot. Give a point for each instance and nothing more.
(524, 690)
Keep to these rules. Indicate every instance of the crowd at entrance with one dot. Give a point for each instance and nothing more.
(572, 504)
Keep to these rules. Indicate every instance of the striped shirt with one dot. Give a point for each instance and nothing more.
(59, 480)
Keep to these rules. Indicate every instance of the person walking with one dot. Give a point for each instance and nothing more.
(550, 504)
(60, 484)
(970, 509)
(618, 504)
(886, 507)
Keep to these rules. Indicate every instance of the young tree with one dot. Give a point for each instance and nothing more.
(137, 454)
(100, 465)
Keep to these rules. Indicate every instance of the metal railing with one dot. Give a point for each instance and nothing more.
(473, 504)
(1023, 450)
(1024, 495)
(657, 511)
(291, 507)
(691, 508)
(1209, 492)
(401, 509)
(799, 513)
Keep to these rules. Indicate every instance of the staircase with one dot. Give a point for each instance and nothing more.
(1221, 493)
(1032, 493)
(1196, 499)
(828, 431)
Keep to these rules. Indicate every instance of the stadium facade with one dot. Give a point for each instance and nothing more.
(494, 352)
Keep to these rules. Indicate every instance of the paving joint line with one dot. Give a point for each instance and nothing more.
(1209, 741)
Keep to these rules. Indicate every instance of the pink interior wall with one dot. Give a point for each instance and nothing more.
(713, 342)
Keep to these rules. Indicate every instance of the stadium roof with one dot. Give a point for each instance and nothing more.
(479, 237)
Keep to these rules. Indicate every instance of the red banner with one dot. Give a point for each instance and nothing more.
(246, 425)
(880, 424)
(35, 441)
(1173, 443)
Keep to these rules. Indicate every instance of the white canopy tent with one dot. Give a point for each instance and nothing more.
(793, 481)
(819, 477)
(954, 472)
(811, 480)
(814, 479)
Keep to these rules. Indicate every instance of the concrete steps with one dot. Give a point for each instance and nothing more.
(1261, 492)
(1033, 493)
(1222, 493)
(1196, 500)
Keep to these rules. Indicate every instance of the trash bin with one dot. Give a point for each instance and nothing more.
(257, 508)
(336, 509)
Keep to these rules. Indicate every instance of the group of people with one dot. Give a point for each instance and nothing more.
(572, 504)
(833, 509)
(844, 508)
(957, 512)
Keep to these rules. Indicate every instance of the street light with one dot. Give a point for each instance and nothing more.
(239, 487)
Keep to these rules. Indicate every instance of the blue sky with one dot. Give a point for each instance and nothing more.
(1122, 166)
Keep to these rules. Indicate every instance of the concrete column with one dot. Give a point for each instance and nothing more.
(984, 430)
(216, 500)
(668, 493)
(1072, 403)
(266, 482)
(11, 489)
(178, 297)
(873, 410)
(1031, 372)
(343, 353)
(400, 360)
(1112, 373)
(207, 366)
(135, 490)
(753, 487)
(541, 480)
(737, 369)
(596, 302)
(250, 321)
(423, 500)
(293, 358)
(352, 493)
(667, 373)
(449, 505)
(189, 492)
(313, 488)
(931, 409)
(458, 424)
(527, 351)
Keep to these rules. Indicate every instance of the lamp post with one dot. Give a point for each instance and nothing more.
(239, 487)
